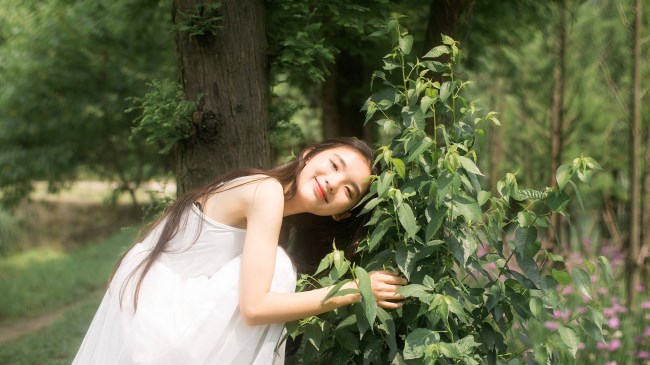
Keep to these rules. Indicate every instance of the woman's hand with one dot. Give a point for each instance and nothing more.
(384, 284)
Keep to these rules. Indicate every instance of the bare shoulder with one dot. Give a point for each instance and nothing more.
(240, 198)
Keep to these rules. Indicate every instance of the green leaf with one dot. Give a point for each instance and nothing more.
(467, 207)
(529, 267)
(388, 325)
(413, 290)
(591, 329)
(368, 300)
(483, 196)
(347, 340)
(370, 205)
(405, 44)
(335, 289)
(557, 201)
(536, 308)
(604, 265)
(437, 216)
(384, 182)
(436, 52)
(469, 165)
(563, 175)
(561, 276)
(570, 339)
(417, 341)
(447, 40)
(407, 219)
(399, 166)
(582, 281)
(378, 233)
(445, 91)
(426, 103)
(423, 146)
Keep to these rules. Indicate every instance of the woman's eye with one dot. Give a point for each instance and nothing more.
(336, 168)
(349, 192)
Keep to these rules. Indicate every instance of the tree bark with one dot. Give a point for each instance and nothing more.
(557, 114)
(228, 73)
(443, 19)
(341, 101)
(634, 240)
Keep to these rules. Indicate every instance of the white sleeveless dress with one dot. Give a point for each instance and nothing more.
(188, 306)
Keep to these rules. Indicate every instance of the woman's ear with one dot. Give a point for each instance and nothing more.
(341, 216)
(307, 151)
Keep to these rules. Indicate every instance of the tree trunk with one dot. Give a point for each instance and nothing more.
(496, 136)
(341, 100)
(443, 19)
(634, 241)
(228, 72)
(557, 114)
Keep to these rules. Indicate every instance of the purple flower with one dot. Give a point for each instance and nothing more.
(601, 346)
(643, 355)
(611, 363)
(564, 315)
(567, 290)
(645, 304)
(553, 326)
(614, 345)
(614, 322)
(647, 331)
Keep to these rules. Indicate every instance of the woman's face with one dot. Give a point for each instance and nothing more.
(333, 181)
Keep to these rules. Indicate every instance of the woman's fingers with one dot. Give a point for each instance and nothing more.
(389, 305)
(385, 285)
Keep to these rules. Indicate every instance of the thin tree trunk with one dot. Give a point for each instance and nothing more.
(341, 103)
(496, 137)
(228, 73)
(634, 241)
(443, 19)
(557, 115)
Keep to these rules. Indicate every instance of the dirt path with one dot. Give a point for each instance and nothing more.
(21, 327)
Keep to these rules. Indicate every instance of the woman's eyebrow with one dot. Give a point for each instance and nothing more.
(357, 190)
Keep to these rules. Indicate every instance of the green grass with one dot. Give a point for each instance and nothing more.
(44, 279)
(56, 344)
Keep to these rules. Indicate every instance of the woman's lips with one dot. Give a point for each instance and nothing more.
(319, 190)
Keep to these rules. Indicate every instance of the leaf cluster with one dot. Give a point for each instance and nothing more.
(478, 277)
(203, 19)
(165, 117)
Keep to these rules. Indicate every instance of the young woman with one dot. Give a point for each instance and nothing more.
(209, 285)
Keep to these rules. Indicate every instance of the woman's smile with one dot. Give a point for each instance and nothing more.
(320, 191)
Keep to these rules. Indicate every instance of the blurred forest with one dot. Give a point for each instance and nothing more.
(128, 91)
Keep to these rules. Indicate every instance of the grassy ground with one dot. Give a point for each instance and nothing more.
(43, 279)
(54, 345)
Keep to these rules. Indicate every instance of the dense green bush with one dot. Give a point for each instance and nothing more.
(477, 273)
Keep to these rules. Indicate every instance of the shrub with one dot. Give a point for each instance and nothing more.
(472, 288)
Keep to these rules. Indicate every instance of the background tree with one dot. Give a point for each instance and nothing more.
(67, 69)
(223, 65)
(634, 260)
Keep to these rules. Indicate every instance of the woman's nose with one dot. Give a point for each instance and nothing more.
(333, 183)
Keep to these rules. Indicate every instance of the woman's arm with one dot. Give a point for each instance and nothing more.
(260, 306)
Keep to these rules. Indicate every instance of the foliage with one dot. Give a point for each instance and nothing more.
(430, 218)
(305, 35)
(204, 18)
(67, 68)
(165, 117)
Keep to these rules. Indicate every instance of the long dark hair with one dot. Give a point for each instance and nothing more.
(306, 237)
